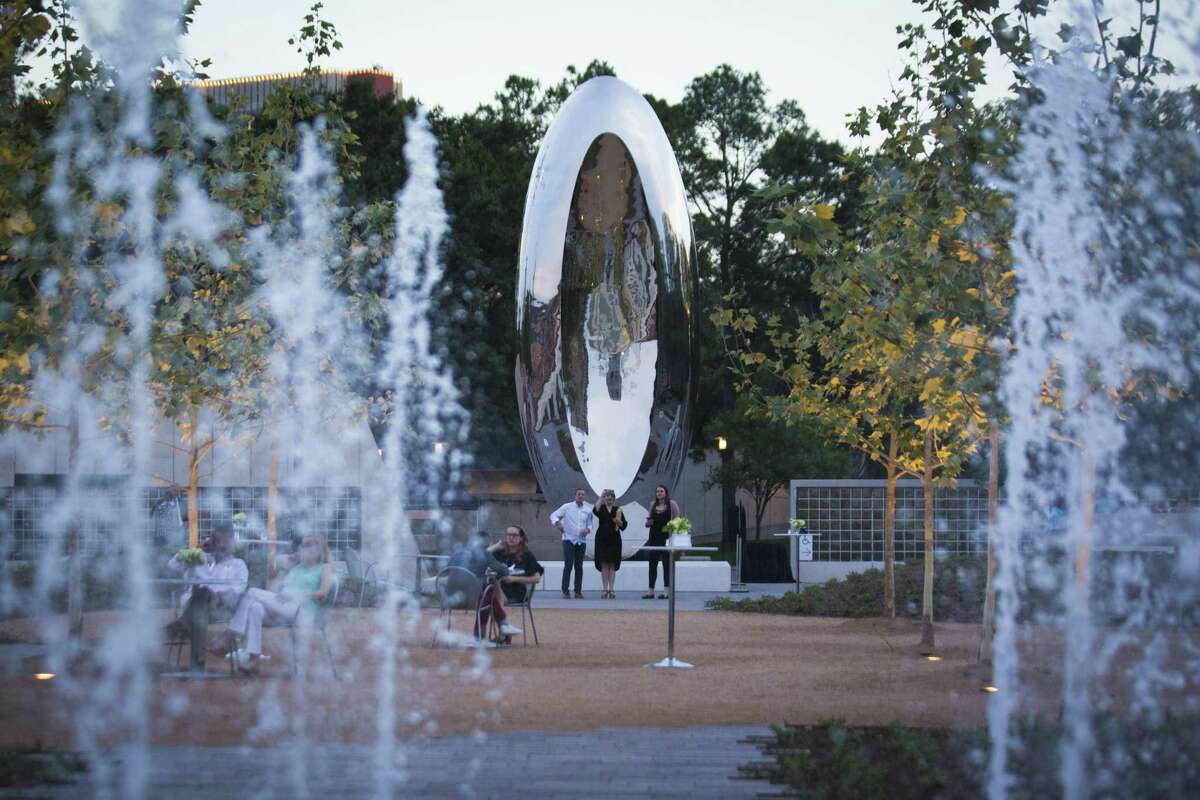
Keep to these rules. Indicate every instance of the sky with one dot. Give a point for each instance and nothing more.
(830, 57)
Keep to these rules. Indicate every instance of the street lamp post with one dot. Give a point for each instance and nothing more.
(729, 525)
(728, 530)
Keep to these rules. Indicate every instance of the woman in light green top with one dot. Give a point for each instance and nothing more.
(303, 587)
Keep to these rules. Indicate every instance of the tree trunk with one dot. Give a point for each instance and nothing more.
(889, 531)
(989, 592)
(272, 505)
(74, 558)
(193, 489)
(759, 513)
(927, 639)
(1087, 507)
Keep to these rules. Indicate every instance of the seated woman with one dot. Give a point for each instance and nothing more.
(303, 587)
(523, 568)
(481, 562)
(513, 552)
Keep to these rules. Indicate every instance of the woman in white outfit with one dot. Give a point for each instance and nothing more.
(304, 585)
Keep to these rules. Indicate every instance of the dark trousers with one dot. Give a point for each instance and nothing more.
(653, 557)
(489, 605)
(195, 616)
(573, 554)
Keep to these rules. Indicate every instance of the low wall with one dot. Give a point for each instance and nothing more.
(530, 511)
(690, 576)
(824, 571)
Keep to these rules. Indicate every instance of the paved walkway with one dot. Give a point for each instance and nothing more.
(697, 762)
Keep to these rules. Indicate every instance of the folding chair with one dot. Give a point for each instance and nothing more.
(225, 616)
(525, 605)
(175, 642)
(320, 622)
(357, 575)
(457, 589)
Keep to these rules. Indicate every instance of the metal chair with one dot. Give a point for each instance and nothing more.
(457, 589)
(525, 605)
(225, 616)
(357, 572)
(176, 641)
(320, 621)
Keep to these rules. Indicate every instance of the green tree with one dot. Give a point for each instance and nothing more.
(769, 453)
(912, 303)
(213, 339)
(741, 157)
(487, 158)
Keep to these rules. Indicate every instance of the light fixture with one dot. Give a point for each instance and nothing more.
(990, 689)
(381, 452)
(43, 676)
(439, 447)
(933, 658)
(722, 443)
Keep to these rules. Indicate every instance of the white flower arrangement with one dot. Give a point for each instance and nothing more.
(680, 529)
(797, 524)
(190, 557)
(678, 525)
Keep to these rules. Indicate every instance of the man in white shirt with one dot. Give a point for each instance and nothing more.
(220, 581)
(574, 519)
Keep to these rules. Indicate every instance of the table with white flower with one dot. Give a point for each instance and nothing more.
(798, 533)
(680, 541)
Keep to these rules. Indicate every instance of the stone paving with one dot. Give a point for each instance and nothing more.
(696, 762)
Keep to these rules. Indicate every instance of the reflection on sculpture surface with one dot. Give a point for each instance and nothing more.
(605, 305)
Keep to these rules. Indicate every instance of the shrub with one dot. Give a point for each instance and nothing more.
(25, 767)
(104, 584)
(958, 594)
(833, 760)
(1151, 756)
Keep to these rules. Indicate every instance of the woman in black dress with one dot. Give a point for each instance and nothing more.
(662, 511)
(608, 539)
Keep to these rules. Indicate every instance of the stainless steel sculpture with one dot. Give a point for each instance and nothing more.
(606, 300)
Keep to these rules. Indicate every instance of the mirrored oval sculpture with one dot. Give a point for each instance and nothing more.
(606, 304)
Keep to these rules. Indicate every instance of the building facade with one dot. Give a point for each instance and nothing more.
(253, 90)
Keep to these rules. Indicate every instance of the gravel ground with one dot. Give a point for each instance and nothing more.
(589, 672)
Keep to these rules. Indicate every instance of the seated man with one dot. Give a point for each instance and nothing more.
(220, 581)
(479, 561)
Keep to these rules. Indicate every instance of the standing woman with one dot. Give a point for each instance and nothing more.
(662, 510)
(608, 539)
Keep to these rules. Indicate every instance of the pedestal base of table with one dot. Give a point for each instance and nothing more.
(671, 663)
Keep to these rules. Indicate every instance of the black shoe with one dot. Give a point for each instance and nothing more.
(579, 595)
(566, 595)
